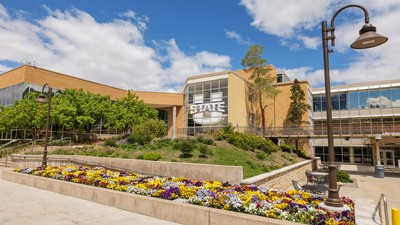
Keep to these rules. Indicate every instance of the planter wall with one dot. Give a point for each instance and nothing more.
(183, 213)
(231, 174)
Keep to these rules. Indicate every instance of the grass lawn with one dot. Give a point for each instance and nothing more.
(220, 153)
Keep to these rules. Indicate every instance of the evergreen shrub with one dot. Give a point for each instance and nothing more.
(152, 156)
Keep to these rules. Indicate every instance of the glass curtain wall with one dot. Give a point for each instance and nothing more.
(206, 106)
(363, 99)
(16, 92)
(361, 155)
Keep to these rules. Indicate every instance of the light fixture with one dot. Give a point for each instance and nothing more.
(368, 38)
(42, 99)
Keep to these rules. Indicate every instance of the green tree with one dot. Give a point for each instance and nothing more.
(24, 114)
(298, 106)
(128, 112)
(263, 85)
(63, 112)
(80, 110)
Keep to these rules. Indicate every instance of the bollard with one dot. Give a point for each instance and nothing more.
(395, 216)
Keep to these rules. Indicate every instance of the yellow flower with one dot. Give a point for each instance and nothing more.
(331, 221)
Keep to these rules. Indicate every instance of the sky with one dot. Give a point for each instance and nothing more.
(154, 45)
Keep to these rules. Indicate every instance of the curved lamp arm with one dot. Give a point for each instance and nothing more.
(332, 28)
(44, 87)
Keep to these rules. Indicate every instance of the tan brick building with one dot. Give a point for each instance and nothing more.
(366, 116)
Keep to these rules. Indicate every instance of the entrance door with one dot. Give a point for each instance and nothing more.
(387, 157)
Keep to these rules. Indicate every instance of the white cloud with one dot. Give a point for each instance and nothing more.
(310, 42)
(284, 18)
(296, 19)
(113, 52)
(237, 37)
(182, 66)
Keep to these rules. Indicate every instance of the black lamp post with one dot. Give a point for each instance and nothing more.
(368, 38)
(42, 99)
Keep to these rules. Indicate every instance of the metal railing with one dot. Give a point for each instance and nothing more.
(23, 134)
(378, 209)
(339, 129)
(5, 152)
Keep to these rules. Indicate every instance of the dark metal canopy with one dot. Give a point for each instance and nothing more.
(368, 38)
(41, 98)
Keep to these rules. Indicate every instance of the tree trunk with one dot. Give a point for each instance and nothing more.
(262, 109)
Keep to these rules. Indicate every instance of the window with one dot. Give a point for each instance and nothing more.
(373, 99)
(319, 103)
(279, 78)
(207, 107)
(363, 96)
(206, 85)
(316, 103)
(251, 95)
(396, 97)
(251, 119)
(343, 101)
(223, 83)
(191, 88)
(335, 101)
(353, 100)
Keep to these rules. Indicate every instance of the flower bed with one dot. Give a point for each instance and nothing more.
(291, 205)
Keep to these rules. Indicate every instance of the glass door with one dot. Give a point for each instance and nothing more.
(387, 157)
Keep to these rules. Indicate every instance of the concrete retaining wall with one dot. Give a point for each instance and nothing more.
(231, 174)
(177, 212)
(281, 179)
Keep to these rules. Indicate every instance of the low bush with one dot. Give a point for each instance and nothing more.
(161, 143)
(152, 156)
(186, 146)
(286, 147)
(290, 148)
(261, 156)
(203, 149)
(110, 142)
(138, 138)
(61, 151)
(60, 142)
(204, 140)
(343, 177)
(249, 142)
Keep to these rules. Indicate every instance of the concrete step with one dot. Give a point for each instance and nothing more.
(364, 209)
(5, 162)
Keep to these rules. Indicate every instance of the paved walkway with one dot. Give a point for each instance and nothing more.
(367, 189)
(21, 205)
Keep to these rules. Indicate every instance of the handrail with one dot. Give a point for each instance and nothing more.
(84, 162)
(378, 206)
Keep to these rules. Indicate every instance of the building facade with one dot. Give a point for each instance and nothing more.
(366, 123)
(366, 116)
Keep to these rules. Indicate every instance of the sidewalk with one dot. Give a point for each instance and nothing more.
(21, 205)
(367, 189)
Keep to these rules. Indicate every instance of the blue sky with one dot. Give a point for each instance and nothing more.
(155, 45)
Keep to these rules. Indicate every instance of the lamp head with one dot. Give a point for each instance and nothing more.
(368, 38)
(41, 98)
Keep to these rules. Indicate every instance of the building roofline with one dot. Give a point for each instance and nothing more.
(360, 85)
(155, 92)
(70, 76)
(203, 76)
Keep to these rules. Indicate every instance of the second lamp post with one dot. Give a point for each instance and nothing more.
(42, 99)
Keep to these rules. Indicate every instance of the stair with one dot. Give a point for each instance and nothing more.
(5, 162)
(9, 143)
